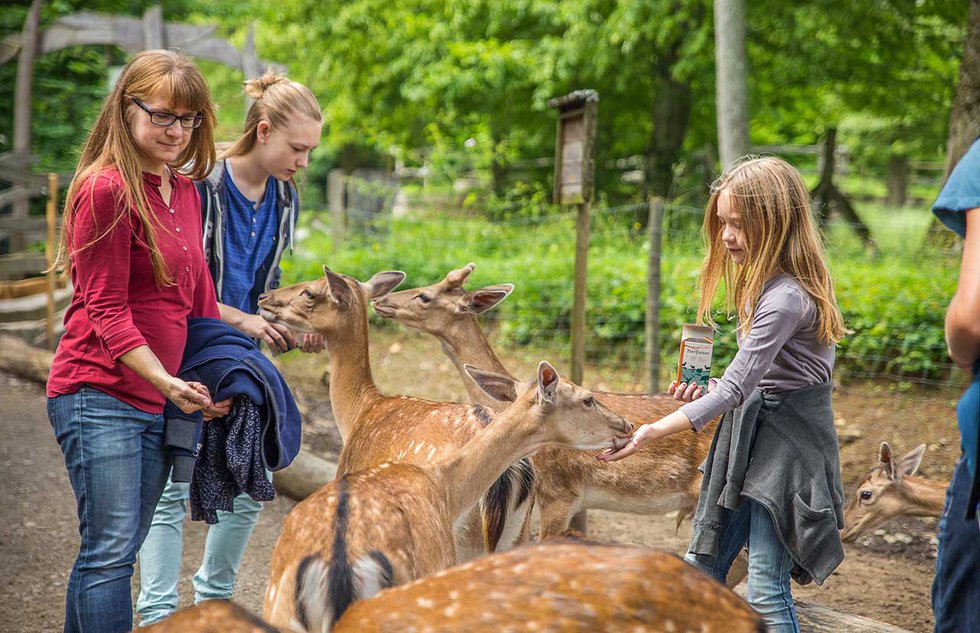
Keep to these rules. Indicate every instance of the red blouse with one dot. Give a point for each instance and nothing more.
(117, 305)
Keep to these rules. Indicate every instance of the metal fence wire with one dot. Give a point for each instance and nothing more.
(893, 300)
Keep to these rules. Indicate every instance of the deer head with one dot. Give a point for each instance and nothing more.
(880, 497)
(324, 305)
(562, 411)
(433, 309)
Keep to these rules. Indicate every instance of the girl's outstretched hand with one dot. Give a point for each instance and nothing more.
(641, 437)
(688, 392)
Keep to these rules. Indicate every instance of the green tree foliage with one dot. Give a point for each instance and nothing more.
(68, 85)
(468, 80)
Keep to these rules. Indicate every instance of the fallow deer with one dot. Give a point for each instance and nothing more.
(211, 616)
(557, 587)
(891, 490)
(661, 477)
(376, 428)
(392, 523)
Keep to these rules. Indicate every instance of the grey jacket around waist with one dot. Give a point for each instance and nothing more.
(213, 209)
(781, 451)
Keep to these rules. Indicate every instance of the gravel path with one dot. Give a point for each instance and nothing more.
(39, 528)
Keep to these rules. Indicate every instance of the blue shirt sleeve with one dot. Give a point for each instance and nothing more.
(961, 192)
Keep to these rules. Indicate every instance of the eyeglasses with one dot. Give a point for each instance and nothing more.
(166, 119)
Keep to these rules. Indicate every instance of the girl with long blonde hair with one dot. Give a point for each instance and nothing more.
(132, 245)
(772, 478)
(249, 206)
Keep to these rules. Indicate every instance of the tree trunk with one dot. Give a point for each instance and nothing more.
(898, 180)
(23, 360)
(964, 116)
(307, 474)
(731, 91)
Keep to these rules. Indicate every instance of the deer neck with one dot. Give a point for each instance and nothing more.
(465, 343)
(352, 388)
(469, 472)
(923, 497)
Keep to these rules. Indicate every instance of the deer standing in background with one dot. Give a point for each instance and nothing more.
(661, 477)
(376, 428)
(891, 490)
(559, 587)
(392, 523)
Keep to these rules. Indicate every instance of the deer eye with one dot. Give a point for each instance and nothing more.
(865, 495)
(424, 298)
(589, 402)
(306, 293)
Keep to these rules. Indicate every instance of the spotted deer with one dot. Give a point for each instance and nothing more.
(392, 523)
(891, 490)
(659, 478)
(211, 616)
(557, 587)
(376, 428)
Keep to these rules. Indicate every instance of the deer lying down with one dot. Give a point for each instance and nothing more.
(659, 478)
(392, 523)
(211, 616)
(555, 587)
(376, 428)
(891, 490)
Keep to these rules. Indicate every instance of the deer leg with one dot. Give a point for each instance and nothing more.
(580, 522)
(739, 569)
(555, 515)
(468, 533)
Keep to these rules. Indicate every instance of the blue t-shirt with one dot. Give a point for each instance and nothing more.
(960, 194)
(250, 234)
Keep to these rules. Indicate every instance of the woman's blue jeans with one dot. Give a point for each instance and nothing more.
(956, 586)
(769, 564)
(117, 466)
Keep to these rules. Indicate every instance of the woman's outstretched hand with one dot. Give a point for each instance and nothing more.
(640, 438)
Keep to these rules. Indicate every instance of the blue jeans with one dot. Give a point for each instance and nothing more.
(161, 553)
(117, 466)
(769, 564)
(956, 587)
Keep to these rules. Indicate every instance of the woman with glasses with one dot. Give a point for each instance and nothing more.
(249, 205)
(132, 244)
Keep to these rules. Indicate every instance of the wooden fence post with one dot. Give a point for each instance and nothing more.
(652, 329)
(580, 290)
(52, 217)
(337, 205)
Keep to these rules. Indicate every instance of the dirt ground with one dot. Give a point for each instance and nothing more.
(886, 576)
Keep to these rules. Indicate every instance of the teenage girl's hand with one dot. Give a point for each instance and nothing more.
(277, 336)
(218, 409)
(188, 396)
(312, 343)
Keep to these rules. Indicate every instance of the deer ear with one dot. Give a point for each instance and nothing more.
(497, 386)
(456, 278)
(382, 283)
(547, 381)
(885, 457)
(479, 301)
(909, 463)
(337, 289)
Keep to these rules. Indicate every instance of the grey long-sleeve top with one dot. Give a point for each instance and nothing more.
(782, 352)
